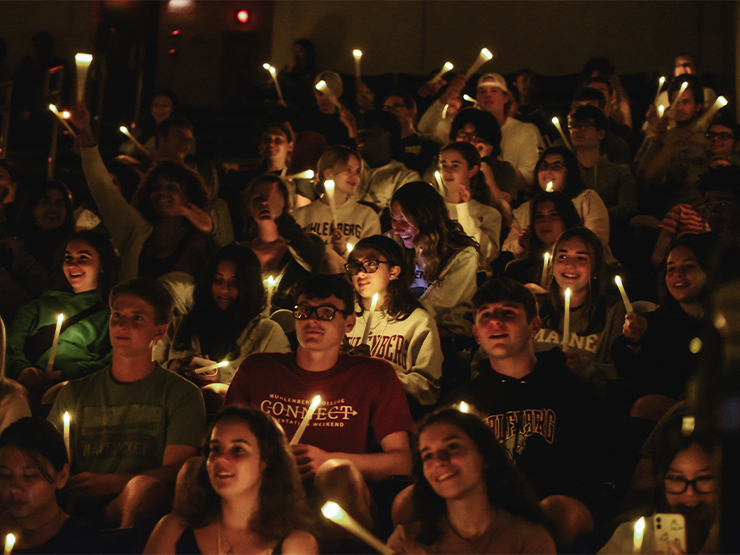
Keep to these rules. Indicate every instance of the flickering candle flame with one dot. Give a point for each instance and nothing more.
(306, 419)
(706, 118)
(82, 64)
(484, 56)
(545, 263)
(329, 188)
(349, 248)
(273, 74)
(625, 299)
(445, 68)
(123, 129)
(50, 364)
(638, 534)
(9, 543)
(270, 283)
(549, 187)
(358, 56)
(66, 114)
(566, 321)
(438, 177)
(556, 123)
(335, 513)
(64, 121)
(661, 81)
(323, 88)
(211, 366)
(661, 109)
(678, 96)
(468, 98)
(308, 174)
(66, 436)
(687, 425)
(366, 332)
(463, 407)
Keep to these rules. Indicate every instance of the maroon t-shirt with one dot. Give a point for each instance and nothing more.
(361, 399)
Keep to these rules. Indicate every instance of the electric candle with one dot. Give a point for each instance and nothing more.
(9, 543)
(678, 96)
(556, 123)
(468, 98)
(445, 68)
(123, 129)
(308, 174)
(66, 436)
(366, 333)
(329, 188)
(54, 343)
(306, 419)
(549, 187)
(637, 538)
(335, 513)
(661, 109)
(357, 54)
(661, 81)
(543, 281)
(444, 111)
(271, 283)
(349, 248)
(704, 121)
(82, 63)
(566, 320)
(322, 87)
(273, 73)
(484, 56)
(211, 366)
(625, 299)
(64, 121)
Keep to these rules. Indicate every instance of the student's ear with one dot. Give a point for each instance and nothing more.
(601, 134)
(475, 334)
(290, 147)
(395, 271)
(349, 322)
(328, 173)
(62, 477)
(472, 171)
(535, 325)
(160, 332)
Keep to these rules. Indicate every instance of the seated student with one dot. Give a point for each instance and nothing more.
(33, 470)
(547, 418)
(165, 104)
(133, 423)
(614, 147)
(596, 317)
(467, 496)
(246, 495)
(617, 126)
(90, 266)
(343, 166)
(414, 151)
(613, 182)
(378, 135)
(174, 140)
(13, 402)
(684, 64)
(654, 351)
(402, 332)
(469, 200)
(336, 124)
(686, 470)
(723, 141)
(552, 214)
(558, 170)
(362, 401)
(225, 323)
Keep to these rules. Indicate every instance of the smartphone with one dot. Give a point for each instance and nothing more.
(669, 527)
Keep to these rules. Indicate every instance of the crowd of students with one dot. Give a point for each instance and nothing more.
(418, 282)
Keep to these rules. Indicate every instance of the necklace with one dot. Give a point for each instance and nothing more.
(230, 551)
(27, 533)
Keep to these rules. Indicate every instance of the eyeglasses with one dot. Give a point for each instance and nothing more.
(723, 136)
(369, 266)
(679, 484)
(324, 312)
(469, 137)
(555, 166)
(578, 125)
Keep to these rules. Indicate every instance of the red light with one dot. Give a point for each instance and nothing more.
(242, 16)
(175, 32)
(173, 51)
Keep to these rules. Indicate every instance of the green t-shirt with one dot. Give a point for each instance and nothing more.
(123, 428)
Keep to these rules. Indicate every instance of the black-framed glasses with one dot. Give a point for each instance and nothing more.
(369, 266)
(723, 136)
(555, 166)
(679, 484)
(580, 125)
(325, 312)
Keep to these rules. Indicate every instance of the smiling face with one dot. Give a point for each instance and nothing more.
(234, 462)
(367, 284)
(552, 169)
(224, 287)
(684, 277)
(23, 488)
(346, 176)
(721, 141)
(573, 266)
(176, 145)
(548, 225)
(81, 266)
(468, 135)
(50, 211)
(452, 463)
(161, 108)
(402, 227)
(133, 330)
(167, 197)
(275, 147)
(502, 330)
(456, 173)
(691, 464)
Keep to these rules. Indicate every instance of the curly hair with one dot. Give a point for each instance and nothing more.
(282, 501)
(401, 302)
(206, 318)
(439, 237)
(505, 486)
(574, 184)
(191, 183)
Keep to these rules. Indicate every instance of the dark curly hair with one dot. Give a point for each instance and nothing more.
(191, 183)
(506, 487)
(282, 501)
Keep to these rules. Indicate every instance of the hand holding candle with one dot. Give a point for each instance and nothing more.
(445, 68)
(566, 321)
(211, 366)
(54, 343)
(64, 121)
(638, 535)
(9, 543)
(625, 299)
(357, 54)
(273, 73)
(82, 63)
(306, 419)
(335, 513)
(366, 333)
(484, 56)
